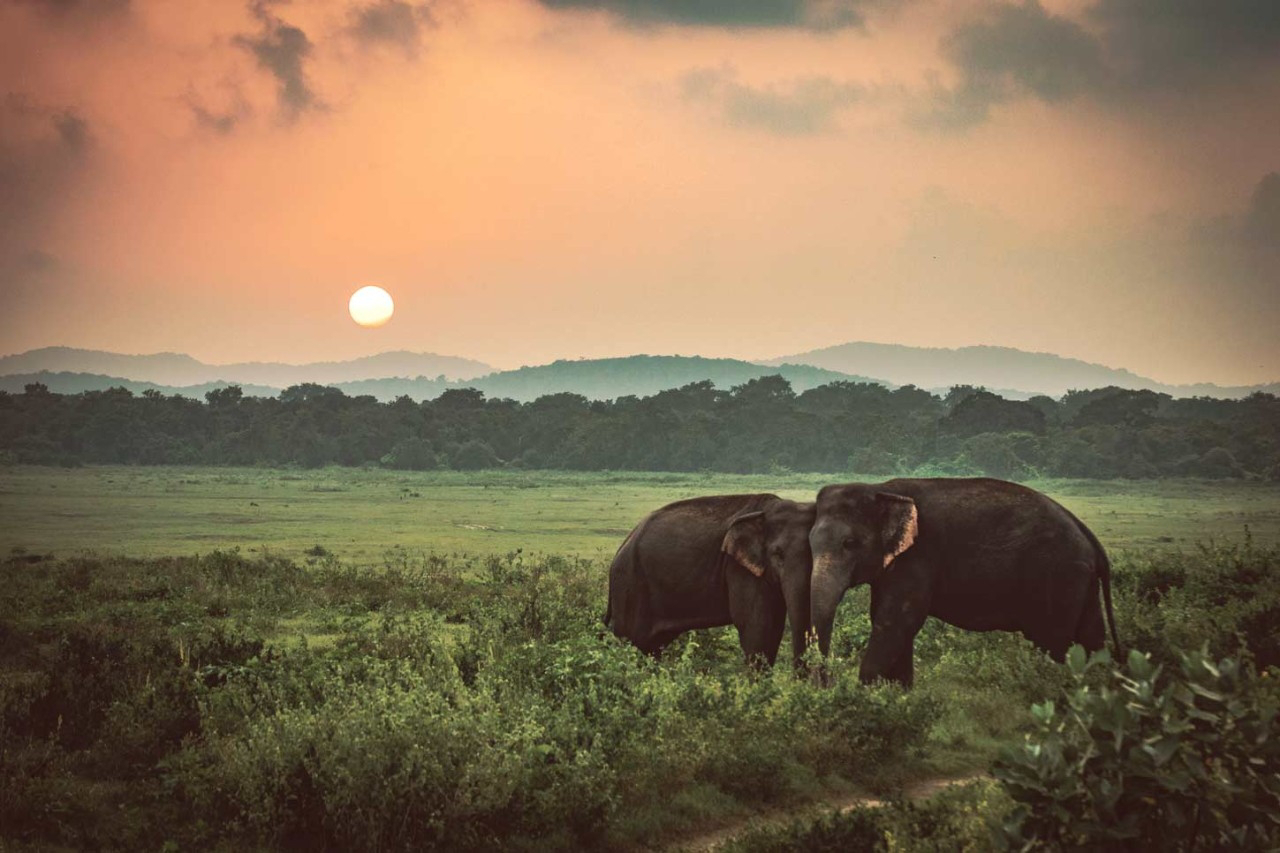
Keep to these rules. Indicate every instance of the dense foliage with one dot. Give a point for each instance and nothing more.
(759, 426)
(1170, 758)
(452, 702)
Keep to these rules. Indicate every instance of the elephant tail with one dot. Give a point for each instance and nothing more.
(1103, 568)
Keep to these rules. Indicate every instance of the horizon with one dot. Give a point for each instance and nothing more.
(773, 361)
(541, 180)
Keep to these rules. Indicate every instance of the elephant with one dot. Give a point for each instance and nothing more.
(980, 554)
(739, 560)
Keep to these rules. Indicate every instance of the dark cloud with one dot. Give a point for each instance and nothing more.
(734, 14)
(806, 106)
(1168, 43)
(220, 121)
(1238, 254)
(281, 49)
(43, 155)
(1013, 51)
(1130, 47)
(72, 130)
(78, 9)
(390, 22)
(1261, 226)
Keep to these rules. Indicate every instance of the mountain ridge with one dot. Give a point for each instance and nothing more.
(179, 369)
(1010, 372)
(996, 367)
(601, 379)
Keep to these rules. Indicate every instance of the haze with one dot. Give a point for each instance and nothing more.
(540, 179)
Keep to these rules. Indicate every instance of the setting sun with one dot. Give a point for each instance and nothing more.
(371, 306)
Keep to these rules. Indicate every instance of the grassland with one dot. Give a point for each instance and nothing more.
(360, 514)
(417, 684)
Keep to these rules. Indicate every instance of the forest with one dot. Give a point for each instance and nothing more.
(761, 426)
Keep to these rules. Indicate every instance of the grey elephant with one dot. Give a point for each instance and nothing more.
(980, 554)
(739, 560)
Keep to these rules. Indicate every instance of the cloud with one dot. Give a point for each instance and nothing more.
(78, 9)
(220, 121)
(730, 14)
(43, 153)
(1170, 43)
(1261, 225)
(804, 107)
(390, 22)
(72, 130)
(1118, 49)
(281, 49)
(1014, 51)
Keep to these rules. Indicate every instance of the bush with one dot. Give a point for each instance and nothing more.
(411, 454)
(1166, 758)
(474, 455)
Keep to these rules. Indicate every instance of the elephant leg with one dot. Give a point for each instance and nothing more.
(897, 612)
(760, 641)
(759, 614)
(1064, 611)
(658, 641)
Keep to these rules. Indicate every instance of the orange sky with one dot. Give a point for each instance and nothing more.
(534, 182)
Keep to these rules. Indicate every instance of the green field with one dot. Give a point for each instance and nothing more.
(360, 514)
(189, 671)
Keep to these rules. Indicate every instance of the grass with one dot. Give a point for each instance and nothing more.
(243, 675)
(359, 514)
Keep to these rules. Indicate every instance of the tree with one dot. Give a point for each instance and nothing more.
(474, 455)
(983, 411)
(225, 397)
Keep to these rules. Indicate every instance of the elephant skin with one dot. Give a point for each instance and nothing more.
(739, 560)
(980, 554)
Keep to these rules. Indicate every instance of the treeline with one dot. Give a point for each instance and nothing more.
(759, 426)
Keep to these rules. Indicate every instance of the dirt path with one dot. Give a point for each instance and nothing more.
(714, 839)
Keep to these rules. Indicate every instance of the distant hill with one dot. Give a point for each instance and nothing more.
(179, 370)
(64, 382)
(1014, 372)
(1011, 373)
(597, 379)
(642, 376)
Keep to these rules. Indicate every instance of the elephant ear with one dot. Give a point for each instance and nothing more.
(744, 541)
(901, 524)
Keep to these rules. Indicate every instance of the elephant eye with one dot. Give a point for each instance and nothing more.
(851, 543)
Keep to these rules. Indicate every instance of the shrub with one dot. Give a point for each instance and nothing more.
(1164, 758)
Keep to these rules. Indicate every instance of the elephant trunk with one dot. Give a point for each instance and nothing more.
(796, 596)
(826, 590)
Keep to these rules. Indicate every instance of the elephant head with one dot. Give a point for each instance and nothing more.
(857, 533)
(773, 544)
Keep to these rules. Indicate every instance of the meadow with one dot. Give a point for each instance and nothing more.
(359, 514)
(211, 658)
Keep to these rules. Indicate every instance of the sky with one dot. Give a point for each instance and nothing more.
(542, 179)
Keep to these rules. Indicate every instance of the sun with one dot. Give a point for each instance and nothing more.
(371, 306)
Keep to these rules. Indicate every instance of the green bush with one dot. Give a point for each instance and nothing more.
(1161, 757)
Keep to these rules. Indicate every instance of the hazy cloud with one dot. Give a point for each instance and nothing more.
(281, 49)
(1261, 226)
(221, 121)
(84, 9)
(805, 14)
(1164, 43)
(72, 130)
(1130, 46)
(805, 106)
(1013, 51)
(42, 152)
(390, 22)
